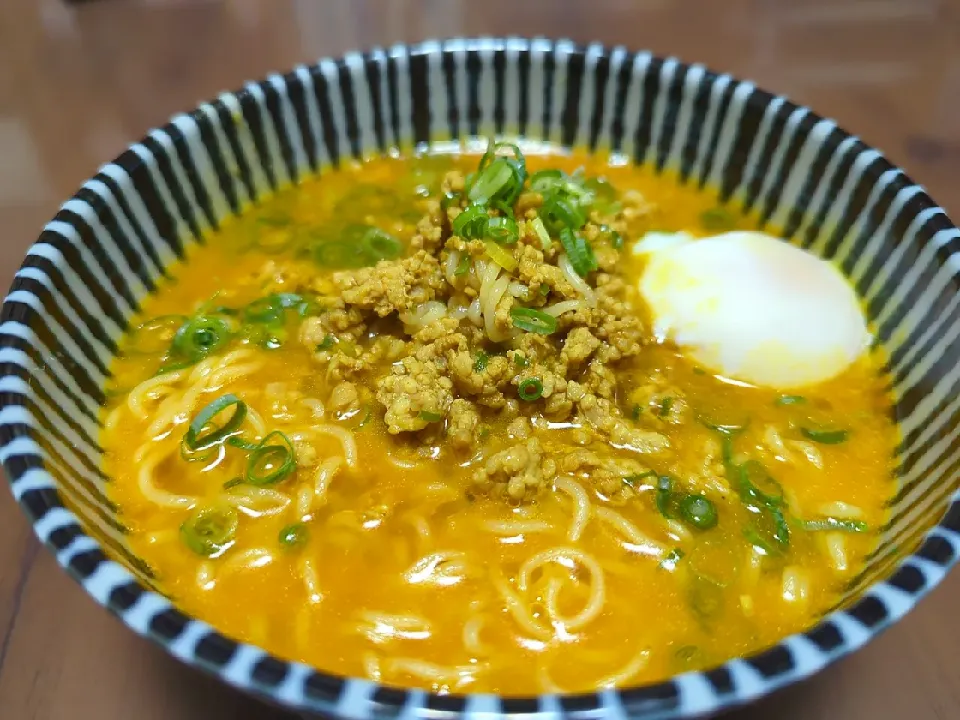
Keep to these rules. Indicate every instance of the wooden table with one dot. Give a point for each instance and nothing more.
(80, 81)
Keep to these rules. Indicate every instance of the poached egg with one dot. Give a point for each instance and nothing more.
(752, 307)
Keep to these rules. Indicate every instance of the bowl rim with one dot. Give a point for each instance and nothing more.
(730, 684)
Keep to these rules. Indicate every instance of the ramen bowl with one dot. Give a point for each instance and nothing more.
(112, 244)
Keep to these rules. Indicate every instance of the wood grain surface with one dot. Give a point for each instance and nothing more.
(79, 81)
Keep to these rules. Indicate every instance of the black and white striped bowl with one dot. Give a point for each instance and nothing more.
(112, 243)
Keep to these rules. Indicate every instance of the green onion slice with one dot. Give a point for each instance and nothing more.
(790, 400)
(698, 511)
(578, 251)
(210, 530)
(769, 531)
(238, 442)
(717, 220)
(558, 213)
(463, 266)
(450, 199)
(665, 406)
(471, 223)
(757, 485)
(294, 536)
(340, 254)
(480, 363)
(197, 439)
(498, 179)
(502, 230)
(534, 321)
(667, 501)
(380, 245)
(273, 460)
(267, 310)
(430, 416)
(530, 389)
(200, 336)
(542, 235)
(825, 437)
(155, 335)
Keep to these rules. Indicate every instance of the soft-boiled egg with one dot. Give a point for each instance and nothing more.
(752, 307)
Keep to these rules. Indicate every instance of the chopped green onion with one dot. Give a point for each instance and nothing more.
(210, 530)
(238, 442)
(368, 415)
(790, 400)
(155, 335)
(502, 230)
(266, 310)
(832, 523)
(380, 245)
(616, 240)
(546, 180)
(825, 437)
(542, 234)
(289, 300)
(520, 361)
(533, 321)
(530, 389)
(327, 343)
(271, 463)
(200, 336)
(196, 454)
(579, 252)
(698, 511)
(717, 220)
(480, 364)
(501, 256)
(604, 195)
(471, 223)
(294, 536)
(430, 416)
(340, 254)
(463, 266)
(635, 412)
(450, 199)
(559, 213)
(667, 501)
(633, 480)
(665, 406)
(197, 441)
(756, 485)
(498, 179)
(671, 560)
(769, 531)
(233, 483)
(725, 428)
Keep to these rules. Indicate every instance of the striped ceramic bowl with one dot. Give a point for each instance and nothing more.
(112, 241)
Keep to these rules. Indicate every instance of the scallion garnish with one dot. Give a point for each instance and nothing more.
(717, 220)
(273, 460)
(267, 310)
(471, 223)
(197, 439)
(497, 179)
(340, 254)
(665, 406)
(502, 230)
(671, 560)
(209, 530)
(542, 234)
(534, 321)
(294, 536)
(327, 343)
(530, 389)
(450, 199)
(238, 442)
(790, 400)
(698, 511)
(558, 213)
(825, 437)
(480, 363)
(463, 266)
(430, 416)
(380, 245)
(198, 337)
(578, 251)
(520, 361)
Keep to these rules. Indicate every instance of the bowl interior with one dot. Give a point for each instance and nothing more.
(115, 240)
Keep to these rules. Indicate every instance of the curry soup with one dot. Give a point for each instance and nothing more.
(371, 428)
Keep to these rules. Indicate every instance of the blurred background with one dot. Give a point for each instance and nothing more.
(81, 80)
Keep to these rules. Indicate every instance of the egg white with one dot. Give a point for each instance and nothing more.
(752, 307)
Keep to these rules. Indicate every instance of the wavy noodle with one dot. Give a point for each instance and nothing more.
(497, 291)
(325, 473)
(256, 422)
(423, 314)
(561, 307)
(519, 610)
(518, 290)
(474, 314)
(380, 628)
(316, 408)
(456, 309)
(154, 494)
(450, 266)
(516, 527)
(150, 390)
(589, 296)
(257, 502)
(246, 560)
(638, 541)
(453, 677)
(567, 558)
(303, 500)
(581, 506)
(635, 665)
(442, 568)
(308, 574)
(488, 276)
(346, 440)
(471, 638)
